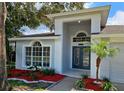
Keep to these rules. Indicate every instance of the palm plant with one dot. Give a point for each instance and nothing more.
(102, 50)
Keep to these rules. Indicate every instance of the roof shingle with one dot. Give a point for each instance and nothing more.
(113, 29)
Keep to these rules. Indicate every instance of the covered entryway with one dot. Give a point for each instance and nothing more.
(81, 57)
(76, 48)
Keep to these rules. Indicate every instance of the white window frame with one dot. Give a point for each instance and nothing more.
(50, 64)
(24, 55)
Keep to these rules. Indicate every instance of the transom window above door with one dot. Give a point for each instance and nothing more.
(37, 55)
(81, 37)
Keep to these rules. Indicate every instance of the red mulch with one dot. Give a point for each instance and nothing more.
(90, 85)
(22, 74)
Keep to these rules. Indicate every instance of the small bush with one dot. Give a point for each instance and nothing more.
(84, 76)
(34, 68)
(106, 79)
(79, 84)
(48, 71)
(107, 86)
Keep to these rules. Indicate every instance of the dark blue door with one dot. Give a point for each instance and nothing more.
(81, 57)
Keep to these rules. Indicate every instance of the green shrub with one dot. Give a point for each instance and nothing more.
(107, 86)
(79, 84)
(48, 71)
(34, 68)
(84, 76)
(106, 79)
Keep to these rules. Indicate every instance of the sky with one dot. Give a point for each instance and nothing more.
(116, 16)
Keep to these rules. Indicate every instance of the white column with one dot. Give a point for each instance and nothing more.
(93, 63)
(95, 28)
(96, 23)
(105, 68)
(58, 46)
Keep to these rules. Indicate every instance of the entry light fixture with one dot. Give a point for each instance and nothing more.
(79, 21)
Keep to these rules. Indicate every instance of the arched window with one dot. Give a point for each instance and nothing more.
(81, 34)
(36, 43)
(81, 37)
(37, 55)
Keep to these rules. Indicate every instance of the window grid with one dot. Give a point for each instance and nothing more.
(39, 56)
(28, 56)
(46, 55)
(81, 37)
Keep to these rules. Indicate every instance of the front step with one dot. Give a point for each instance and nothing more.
(76, 73)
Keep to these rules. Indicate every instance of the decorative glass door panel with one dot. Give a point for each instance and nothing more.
(77, 56)
(86, 57)
(81, 57)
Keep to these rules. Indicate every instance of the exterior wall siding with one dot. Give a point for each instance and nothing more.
(117, 64)
(111, 67)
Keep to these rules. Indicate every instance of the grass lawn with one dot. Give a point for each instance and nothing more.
(22, 86)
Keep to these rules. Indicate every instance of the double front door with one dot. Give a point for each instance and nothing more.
(81, 57)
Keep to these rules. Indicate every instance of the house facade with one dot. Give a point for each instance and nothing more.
(67, 49)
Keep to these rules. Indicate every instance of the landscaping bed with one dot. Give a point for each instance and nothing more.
(90, 84)
(17, 85)
(30, 75)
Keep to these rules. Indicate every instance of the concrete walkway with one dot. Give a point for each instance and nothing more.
(65, 85)
(120, 86)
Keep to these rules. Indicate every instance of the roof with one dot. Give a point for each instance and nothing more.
(47, 36)
(113, 29)
(41, 35)
(104, 10)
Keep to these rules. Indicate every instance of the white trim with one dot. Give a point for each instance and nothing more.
(50, 60)
(65, 16)
(23, 55)
(32, 42)
(107, 35)
(33, 38)
(30, 45)
(103, 8)
(80, 32)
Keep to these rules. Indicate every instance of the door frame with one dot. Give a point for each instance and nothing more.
(87, 68)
